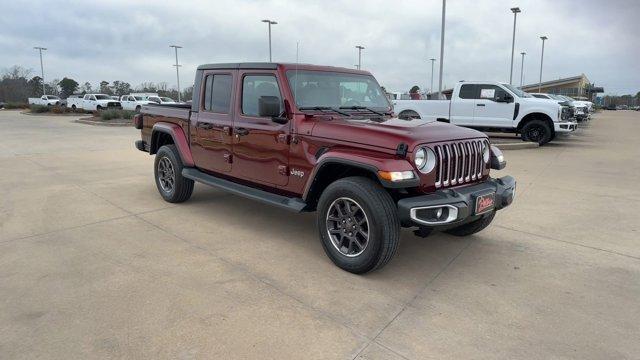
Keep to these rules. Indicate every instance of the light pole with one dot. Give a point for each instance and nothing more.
(269, 22)
(522, 68)
(444, 6)
(41, 66)
(176, 47)
(432, 62)
(543, 38)
(360, 48)
(515, 12)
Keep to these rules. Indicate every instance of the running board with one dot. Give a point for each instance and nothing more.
(292, 204)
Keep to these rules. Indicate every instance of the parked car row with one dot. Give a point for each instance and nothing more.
(496, 107)
(97, 102)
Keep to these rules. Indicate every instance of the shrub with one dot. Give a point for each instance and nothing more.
(38, 108)
(15, 105)
(116, 114)
(58, 109)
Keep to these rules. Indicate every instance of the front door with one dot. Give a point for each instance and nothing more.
(212, 125)
(491, 113)
(260, 146)
(463, 107)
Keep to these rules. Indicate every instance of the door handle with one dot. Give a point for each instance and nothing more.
(205, 126)
(479, 104)
(241, 131)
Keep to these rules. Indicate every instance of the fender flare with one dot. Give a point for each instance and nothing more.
(365, 162)
(179, 140)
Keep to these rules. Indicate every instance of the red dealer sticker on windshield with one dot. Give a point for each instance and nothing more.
(485, 203)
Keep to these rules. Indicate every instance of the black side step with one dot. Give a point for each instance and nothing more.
(292, 204)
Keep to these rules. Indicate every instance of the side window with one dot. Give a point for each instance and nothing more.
(221, 93)
(255, 86)
(208, 87)
(490, 92)
(468, 91)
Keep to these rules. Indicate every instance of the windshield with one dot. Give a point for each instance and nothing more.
(556, 97)
(51, 97)
(333, 89)
(103, 97)
(139, 98)
(166, 99)
(518, 92)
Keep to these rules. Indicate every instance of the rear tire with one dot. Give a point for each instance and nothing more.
(73, 107)
(138, 108)
(537, 131)
(473, 227)
(358, 224)
(408, 115)
(167, 170)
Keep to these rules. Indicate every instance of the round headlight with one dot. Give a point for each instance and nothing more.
(421, 159)
(425, 160)
(485, 152)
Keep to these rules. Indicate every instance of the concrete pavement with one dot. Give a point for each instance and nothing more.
(93, 264)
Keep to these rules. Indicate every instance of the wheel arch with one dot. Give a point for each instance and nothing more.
(331, 168)
(536, 116)
(167, 133)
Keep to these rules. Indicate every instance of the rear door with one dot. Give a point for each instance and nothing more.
(212, 142)
(463, 105)
(491, 113)
(261, 146)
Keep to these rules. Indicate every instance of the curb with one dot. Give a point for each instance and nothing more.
(102, 123)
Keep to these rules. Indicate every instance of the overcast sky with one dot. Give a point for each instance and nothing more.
(129, 40)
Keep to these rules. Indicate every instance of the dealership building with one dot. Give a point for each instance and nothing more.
(575, 86)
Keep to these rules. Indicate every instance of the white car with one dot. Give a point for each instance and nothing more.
(161, 100)
(585, 106)
(494, 106)
(97, 102)
(75, 101)
(133, 102)
(45, 100)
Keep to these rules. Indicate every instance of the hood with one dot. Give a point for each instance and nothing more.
(537, 101)
(389, 133)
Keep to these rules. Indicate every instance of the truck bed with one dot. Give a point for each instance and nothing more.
(427, 109)
(178, 111)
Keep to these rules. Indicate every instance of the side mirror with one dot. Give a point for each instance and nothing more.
(506, 98)
(269, 106)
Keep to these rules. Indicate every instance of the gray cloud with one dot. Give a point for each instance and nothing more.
(129, 40)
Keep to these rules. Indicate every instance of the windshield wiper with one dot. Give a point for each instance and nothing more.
(363, 108)
(324, 108)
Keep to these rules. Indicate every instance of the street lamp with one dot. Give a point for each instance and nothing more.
(543, 38)
(41, 66)
(444, 6)
(360, 48)
(522, 68)
(269, 22)
(176, 47)
(432, 62)
(515, 12)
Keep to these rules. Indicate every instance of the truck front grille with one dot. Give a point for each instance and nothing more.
(459, 162)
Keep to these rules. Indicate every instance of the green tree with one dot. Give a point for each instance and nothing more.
(35, 86)
(68, 87)
(105, 88)
(121, 88)
(86, 88)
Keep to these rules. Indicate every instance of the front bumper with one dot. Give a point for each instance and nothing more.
(460, 201)
(565, 126)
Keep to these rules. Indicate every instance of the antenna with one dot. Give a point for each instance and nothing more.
(295, 84)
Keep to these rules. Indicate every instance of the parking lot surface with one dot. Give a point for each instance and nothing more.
(94, 264)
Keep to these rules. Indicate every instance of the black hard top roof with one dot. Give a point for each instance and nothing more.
(247, 65)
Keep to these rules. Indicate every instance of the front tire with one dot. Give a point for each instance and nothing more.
(473, 227)
(167, 169)
(537, 131)
(358, 224)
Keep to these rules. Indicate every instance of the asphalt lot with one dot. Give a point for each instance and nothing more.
(93, 264)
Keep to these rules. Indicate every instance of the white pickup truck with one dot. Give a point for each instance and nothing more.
(97, 102)
(493, 106)
(45, 100)
(135, 101)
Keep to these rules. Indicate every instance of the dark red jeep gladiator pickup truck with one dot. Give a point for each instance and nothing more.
(317, 138)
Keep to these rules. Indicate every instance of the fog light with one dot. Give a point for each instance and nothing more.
(434, 215)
